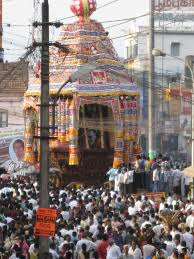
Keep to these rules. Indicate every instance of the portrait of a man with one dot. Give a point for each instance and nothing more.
(16, 150)
(18, 147)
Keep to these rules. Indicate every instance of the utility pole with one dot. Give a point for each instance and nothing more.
(1, 33)
(189, 62)
(151, 80)
(44, 121)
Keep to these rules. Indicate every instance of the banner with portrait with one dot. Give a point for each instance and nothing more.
(15, 164)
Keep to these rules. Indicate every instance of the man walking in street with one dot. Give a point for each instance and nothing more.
(156, 179)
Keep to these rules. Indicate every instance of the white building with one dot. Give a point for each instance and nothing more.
(176, 40)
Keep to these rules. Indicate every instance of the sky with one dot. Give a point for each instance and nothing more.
(21, 12)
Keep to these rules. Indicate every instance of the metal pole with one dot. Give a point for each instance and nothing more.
(189, 62)
(192, 120)
(1, 21)
(1, 32)
(151, 80)
(44, 122)
(192, 123)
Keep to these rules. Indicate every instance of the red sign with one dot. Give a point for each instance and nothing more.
(186, 101)
(45, 222)
(175, 92)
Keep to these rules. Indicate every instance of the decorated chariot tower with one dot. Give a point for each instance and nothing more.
(96, 117)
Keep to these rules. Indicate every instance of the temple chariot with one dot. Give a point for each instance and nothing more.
(96, 117)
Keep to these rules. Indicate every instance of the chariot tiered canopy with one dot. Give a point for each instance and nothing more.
(109, 85)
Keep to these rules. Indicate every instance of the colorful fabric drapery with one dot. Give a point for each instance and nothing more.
(126, 137)
(118, 150)
(59, 118)
(62, 121)
(29, 135)
(38, 134)
(50, 119)
(67, 119)
(52, 131)
(126, 129)
(73, 135)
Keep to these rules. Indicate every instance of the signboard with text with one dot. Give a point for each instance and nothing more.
(45, 225)
(170, 5)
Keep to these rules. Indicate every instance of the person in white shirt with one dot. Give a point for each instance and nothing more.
(176, 175)
(138, 204)
(93, 227)
(128, 181)
(65, 214)
(147, 249)
(175, 233)
(134, 250)
(189, 239)
(146, 222)
(189, 206)
(132, 210)
(113, 251)
(14, 256)
(156, 179)
(177, 240)
(126, 254)
(111, 177)
(158, 229)
(162, 204)
(169, 199)
(116, 187)
(121, 182)
(190, 220)
(170, 245)
(53, 252)
(89, 244)
(73, 203)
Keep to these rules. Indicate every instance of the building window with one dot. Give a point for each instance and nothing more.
(135, 50)
(127, 52)
(175, 49)
(132, 50)
(3, 118)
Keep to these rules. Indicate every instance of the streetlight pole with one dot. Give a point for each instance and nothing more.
(151, 80)
(189, 61)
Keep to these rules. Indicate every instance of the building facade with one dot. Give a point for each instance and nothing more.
(13, 84)
(172, 92)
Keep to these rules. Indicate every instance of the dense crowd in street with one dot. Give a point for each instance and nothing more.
(101, 223)
(156, 175)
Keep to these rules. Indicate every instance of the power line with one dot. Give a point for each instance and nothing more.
(72, 16)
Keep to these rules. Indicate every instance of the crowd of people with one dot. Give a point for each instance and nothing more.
(98, 223)
(153, 175)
